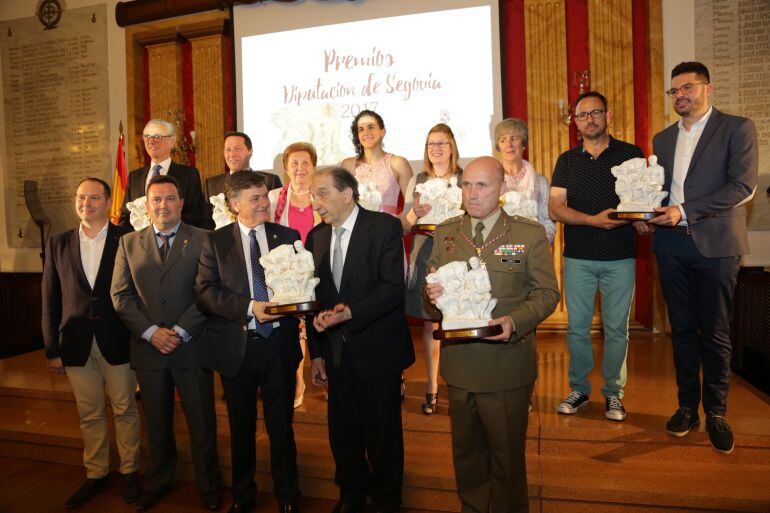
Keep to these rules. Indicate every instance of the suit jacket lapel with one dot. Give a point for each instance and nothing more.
(321, 240)
(178, 248)
(462, 246)
(236, 252)
(110, 246)
(356, 245)
(708, 132)
(77, 261)
(150, 245)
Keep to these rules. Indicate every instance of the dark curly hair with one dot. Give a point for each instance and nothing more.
(354, 130)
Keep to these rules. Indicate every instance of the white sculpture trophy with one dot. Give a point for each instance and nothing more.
(639, 188)
(445, 199)
(369, 196)
(466, 304)
(290, 275)
(517, 204)
(222, 215)
(138, 211)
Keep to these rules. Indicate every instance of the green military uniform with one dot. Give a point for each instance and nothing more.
(490, 383)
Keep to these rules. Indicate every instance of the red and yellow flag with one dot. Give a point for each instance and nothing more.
(119, 181)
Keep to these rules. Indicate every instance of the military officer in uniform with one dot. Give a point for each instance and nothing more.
(490, 381)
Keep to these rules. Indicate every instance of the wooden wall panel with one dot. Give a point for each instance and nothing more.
(208, 99)
(612, 63)
(545, 25)
(165, 79)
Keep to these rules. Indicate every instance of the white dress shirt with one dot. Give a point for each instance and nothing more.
(149, 332)
(348, 225)
(686, 142)
(164, 165)
(91, 252)
(264, 249)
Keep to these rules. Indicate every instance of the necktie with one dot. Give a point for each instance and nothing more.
(337, 257)
(165, 247)
(478, 239)
(155, 170)
(258, 281)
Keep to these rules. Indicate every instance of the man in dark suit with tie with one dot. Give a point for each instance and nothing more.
(159, 140)
(249, 348)
(85, 340)
(710, 160)
(238, 150)
(153, 290)
(361, 341)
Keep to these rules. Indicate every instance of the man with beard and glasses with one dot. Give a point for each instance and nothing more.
(710, 160)
(598, 252)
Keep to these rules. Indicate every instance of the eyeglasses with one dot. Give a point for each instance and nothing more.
(155, 137)
(437, 144)
(673, 92)
(595, 114)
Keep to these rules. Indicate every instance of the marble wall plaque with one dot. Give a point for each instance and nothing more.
(732, 37)
(56, 110)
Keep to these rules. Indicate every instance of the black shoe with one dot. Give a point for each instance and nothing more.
(243, 507)
(430, 406)
(574, 401)
(684, 420)
(720, 434)
(132, 488)
(348, 507)
(88, 491)
(212, 500)
(288, 508)
(613, 408)
(149, 499)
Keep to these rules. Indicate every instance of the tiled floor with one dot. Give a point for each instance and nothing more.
(575, 463)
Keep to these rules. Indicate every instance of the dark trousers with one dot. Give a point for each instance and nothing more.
(699, 295)
(366, 436)
(262, 368)
(489, 435)
(196, 390)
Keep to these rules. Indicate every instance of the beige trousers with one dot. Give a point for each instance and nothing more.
(88, 384)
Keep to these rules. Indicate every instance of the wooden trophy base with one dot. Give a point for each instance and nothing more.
(307, 307)
(467, 333)
(633, 216)
(423, 228)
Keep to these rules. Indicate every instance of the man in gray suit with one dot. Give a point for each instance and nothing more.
(153, 294)
(710, 160)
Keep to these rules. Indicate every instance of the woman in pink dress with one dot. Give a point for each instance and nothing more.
(292, 206)
(390, 173)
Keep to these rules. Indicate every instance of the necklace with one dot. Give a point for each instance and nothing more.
(300, 193)
(481, 248)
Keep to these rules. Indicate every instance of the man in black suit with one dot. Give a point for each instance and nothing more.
(159, 140)
(85, 340)
(250, 349)
(361, 342)
(238, 150)
(710, 160)
(153, 291)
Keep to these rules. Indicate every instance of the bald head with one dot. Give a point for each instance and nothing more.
(483, 181)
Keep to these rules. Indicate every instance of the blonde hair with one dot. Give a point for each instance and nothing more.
(453, 166)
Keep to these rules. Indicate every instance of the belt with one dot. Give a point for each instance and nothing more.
(682, 229)
(255, 334)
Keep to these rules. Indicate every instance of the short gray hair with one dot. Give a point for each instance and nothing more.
(162, 122)
(515, 126)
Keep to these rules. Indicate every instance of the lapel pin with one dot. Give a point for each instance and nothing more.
(275, 236)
